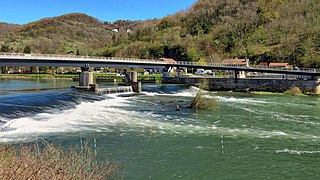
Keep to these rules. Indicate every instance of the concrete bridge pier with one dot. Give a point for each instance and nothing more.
(242, 74)
(235, 76)
(86, 82)
(3, 70)
(166, 72)
(86, 78)
(131, 79)
(316, 78)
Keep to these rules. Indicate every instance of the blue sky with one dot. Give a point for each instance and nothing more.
(25, 11)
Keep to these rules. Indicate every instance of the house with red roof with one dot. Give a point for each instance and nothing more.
(237, 62)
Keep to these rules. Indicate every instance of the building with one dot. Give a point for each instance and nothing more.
(280, 65)
(115, 30)
(263, 65)
(168, 60)
(236, 62)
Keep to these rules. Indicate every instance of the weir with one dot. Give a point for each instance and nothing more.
(86, 79)
(114, 90)
(131, 79)
(86, 83)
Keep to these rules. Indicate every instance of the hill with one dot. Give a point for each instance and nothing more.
(210, 30)
(76, 32)
(272, 31)
(5, 27)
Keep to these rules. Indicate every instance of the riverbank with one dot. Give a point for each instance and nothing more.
(37, 76)
(250, 85)
(118, 78)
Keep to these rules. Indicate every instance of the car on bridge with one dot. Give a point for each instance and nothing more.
(200, 72)
(203, 72)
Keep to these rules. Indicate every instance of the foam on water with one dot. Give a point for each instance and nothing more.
(107, 116)
(297, 152)
(114, 114)
(185, 93)
(240, 100)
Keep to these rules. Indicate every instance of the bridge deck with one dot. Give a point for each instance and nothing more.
(28, 60)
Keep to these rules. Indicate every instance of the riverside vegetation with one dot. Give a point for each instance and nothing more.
(202, 102)
(210, 30)
(52, 162)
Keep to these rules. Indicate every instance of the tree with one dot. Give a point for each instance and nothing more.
(5, 48)
(176, 52)
(27, 49)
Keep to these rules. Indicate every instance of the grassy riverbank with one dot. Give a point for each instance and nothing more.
(37, 76)
(118, 78)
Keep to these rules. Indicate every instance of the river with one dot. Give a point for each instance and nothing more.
(151, 140)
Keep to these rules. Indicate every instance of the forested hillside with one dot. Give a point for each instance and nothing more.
(261, 30)
(77, 33)
(5, 27)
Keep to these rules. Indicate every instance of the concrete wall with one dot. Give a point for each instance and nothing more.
(270, 85)
(85, 78)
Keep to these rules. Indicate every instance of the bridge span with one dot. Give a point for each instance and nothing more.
(40, 60)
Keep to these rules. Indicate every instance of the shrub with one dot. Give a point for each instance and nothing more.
(318, 90)
(200, 101)
(294, 90)
(50, 162)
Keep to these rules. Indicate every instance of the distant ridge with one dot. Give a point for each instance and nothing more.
(75, 32)
(5, 27)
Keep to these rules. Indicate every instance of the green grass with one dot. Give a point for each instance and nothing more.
(266, 93)
(38, 76)
(69, 76)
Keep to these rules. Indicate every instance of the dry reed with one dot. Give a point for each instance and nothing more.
(200, 101)
(51, 162)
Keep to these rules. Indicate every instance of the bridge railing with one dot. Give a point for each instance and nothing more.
(71, 57)
(147, 61)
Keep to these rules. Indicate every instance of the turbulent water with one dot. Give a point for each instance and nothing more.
(151, 140)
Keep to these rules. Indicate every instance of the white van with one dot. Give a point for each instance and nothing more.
(209, 72)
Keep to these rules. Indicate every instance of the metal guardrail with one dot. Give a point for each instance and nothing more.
(147, 61)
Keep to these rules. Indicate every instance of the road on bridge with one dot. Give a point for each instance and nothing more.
(37, 60)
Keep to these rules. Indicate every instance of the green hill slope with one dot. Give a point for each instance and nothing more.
(68, 33)
(5, 27)
(278, 30)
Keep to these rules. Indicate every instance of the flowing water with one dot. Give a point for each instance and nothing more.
(151, 140)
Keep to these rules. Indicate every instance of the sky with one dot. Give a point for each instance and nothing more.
(25, 11)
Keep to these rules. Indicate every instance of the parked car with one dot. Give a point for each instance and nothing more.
(209, 72)
(200, 72)
(203, 72)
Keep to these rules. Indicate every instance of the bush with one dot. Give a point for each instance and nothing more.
(50, 162)
(295, 91)
(318, 90)
(200, 101)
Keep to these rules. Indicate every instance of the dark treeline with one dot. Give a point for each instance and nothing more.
(261, 30)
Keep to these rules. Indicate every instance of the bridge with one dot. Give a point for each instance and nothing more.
(42, 60)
